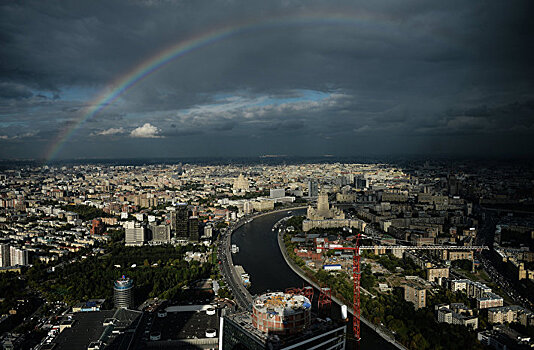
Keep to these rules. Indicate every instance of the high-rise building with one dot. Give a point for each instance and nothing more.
(247, 207)
(454, 185)
(181, 223)
(18, 256)
(341, 181)
(241, 184)
(160, 233)
(208, 231)
(277, 193)
(415, 295)
(323, 207)
(323, 210)
(171, 218)
(193, 229)
(135, 233)
(360, 183)
(313, 188)
(5, 257)
(123, 293)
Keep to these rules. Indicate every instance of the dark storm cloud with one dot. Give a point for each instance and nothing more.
(14, 91)
(405, 75)
(512, 118)
(182, 132)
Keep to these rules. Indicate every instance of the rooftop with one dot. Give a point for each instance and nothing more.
(281, 303)
(185, 323)
(244, 321)
(506, 308)
(88, 327)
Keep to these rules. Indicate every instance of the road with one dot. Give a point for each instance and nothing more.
(260, 255)
(491, 265)
(241, 294)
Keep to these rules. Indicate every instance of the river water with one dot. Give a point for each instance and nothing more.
(261, 258)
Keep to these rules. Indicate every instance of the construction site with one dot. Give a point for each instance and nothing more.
(284, 320)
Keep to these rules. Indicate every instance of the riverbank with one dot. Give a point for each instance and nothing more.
(307, 278)
(241, 294)
(261, 257)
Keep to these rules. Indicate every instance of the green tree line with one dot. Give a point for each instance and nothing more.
(158, 272)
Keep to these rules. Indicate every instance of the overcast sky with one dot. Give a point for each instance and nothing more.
(307, 77)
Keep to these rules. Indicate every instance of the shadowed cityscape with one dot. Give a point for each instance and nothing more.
(266, 175)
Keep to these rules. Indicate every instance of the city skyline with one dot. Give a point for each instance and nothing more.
(168, 79)
(421, 254)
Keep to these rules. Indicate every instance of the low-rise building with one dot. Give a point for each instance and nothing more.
(436, 274)
(471, 288)
(456, 313)
(503, 314)
(489, 300)
(510, 314)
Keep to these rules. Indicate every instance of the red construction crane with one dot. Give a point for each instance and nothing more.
(356, 283)
(356, 272)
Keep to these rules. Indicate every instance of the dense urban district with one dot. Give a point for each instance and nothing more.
(133, 257)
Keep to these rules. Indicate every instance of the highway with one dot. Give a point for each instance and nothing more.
(490, 265)
(262, 258)
(242, 296)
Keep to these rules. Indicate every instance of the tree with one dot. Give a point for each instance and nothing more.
(418, 342)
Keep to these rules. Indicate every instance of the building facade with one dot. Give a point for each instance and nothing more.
(160, 233)
(415, 295)
(123, 293)
(5, 257)
(18, 256)
(135, 233)
(436, 274)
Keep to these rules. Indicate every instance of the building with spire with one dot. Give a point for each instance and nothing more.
(324, 216)
(241, 184)
(323, 210)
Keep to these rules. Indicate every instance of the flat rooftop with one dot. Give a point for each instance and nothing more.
(88, 327)
(185, 324)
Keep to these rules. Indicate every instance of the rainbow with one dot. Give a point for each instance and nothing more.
(158, 61)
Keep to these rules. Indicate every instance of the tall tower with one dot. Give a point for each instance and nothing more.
(323, 208)
(18, 256)
(182, 216)
(193, 228)
(241, 184)
(5, 256)
(313, 188)
(123, 293)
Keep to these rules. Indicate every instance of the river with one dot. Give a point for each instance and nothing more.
(261, 258)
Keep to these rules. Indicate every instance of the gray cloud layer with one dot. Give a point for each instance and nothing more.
(337, 77)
